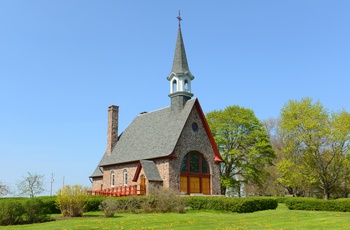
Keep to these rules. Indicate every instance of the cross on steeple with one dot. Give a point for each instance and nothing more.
(179, 18)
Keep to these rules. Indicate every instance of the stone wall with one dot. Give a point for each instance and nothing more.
(119, 174)
(191, 140)
(163, 168)
(96, 183)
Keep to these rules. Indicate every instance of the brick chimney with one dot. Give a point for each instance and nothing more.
(112, 129)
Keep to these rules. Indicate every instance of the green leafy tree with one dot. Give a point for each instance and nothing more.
(31, 185)
(244, 146)
(294, 178)
(272, 185)
(316, 141)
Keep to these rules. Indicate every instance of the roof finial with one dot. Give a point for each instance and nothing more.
(179, 18)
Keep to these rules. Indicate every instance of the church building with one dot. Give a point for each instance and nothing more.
(172, 147)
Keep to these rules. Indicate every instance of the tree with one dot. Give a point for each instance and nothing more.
(316, 141)
(4, 189)
(244, 146)
(31, 185)
(296, 178)
(272, 185)
(287, 171)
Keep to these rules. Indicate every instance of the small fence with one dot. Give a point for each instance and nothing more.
(131, 190)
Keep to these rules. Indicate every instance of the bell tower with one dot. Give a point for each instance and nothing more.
(180, 76)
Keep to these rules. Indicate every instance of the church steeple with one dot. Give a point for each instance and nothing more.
(180, 76)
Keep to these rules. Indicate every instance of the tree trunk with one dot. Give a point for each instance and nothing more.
(223, 190)
(290, 191)
(326, 192)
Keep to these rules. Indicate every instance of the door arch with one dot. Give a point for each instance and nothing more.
(195, 174)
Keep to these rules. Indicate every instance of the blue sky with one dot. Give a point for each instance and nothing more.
(62, 63)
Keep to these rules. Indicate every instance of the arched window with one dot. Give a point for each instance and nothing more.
(195, 174)
(174, 86)
(112, 179)
(125, 177)
(186, 88)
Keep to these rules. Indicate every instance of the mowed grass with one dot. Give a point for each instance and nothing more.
(281, 218)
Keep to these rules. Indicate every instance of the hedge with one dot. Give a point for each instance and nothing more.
(23, 210)
(48, 202)
(240, 205)
(314, 204)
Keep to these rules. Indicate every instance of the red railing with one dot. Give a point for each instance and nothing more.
(131, 190)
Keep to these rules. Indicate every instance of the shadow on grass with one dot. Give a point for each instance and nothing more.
(98, 215)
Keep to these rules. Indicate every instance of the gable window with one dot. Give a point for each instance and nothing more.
(125, 177)
(195, 127)
(112, 179)
(195, 174)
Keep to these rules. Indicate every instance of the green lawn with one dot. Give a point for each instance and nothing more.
(281, 218)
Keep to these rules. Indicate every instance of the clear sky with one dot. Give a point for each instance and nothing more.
(62, 63)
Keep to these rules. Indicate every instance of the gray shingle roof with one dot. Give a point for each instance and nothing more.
(150, 135)
(97, 173)
(151, 170)
(180, 64)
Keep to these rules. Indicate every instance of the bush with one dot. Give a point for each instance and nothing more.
(109, 207)
(163, 200)
(35, 211)
(132, 204)
(17, 210)
(313, 204)
(71, 200)
(281, 199)
(11, 212)
(49, 204)
(240, 205)
(93, 203)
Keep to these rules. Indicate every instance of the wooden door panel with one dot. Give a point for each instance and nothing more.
(195, 185)
(143, 186)
(206, 186)
(183, 184)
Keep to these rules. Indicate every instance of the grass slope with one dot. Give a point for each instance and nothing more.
(281, 218)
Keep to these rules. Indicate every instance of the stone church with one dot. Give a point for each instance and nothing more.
(172, 147)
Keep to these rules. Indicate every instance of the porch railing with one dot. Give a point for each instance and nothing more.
(131, 190)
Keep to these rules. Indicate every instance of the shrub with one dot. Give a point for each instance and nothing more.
(35, 211)
(49, 204)
(11, 213)
(340, 205)
(71, 200)
(241, 205)
(163, 200)
(15, 210)
(281, 199)
(109, 207)
(94, 202)
(130, 204)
